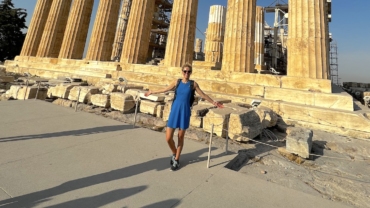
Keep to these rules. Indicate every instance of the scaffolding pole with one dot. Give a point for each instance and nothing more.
(334, 62)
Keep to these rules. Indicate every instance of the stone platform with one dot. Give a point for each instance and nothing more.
(55, 157)
(309, 102)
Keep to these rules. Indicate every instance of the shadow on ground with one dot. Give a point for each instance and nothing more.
(36, 198)
(79, 132)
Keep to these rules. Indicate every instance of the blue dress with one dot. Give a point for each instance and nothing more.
(180, 111)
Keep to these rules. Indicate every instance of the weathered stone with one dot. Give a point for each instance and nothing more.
(219, 117)
(53, 34)
(13, 91)
(101, 100)
(109, 88)
(122, 88)
(267, 116)
(239, 36)
(244, 121)
(299, 141)
(200, 110)
(306, 84)
(238, 106)
(171, 93)
(259, 46)
(160, 109)
(308, 36)
(196, 121)
(290, 156)
(149, 107)
(36, 28)
(168, 98)
(133, 92)
(181, 33)
(167, 110)
(137, 37)
(63, 102)
(220, 100)
(121, 29)
(122, 102)
(6, 79)
(102, 36)
(2, 71)
(26, 93)
(326, 119)
(4, 97)
(215, 34)
(327, 100)
(83, 95)
(252, 131)
(60, 91)
(76, 30)
(153, 97)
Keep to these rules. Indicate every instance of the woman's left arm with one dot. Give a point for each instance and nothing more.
(206, 97)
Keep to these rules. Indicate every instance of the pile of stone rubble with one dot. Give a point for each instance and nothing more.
(243, 121)
(360, 91)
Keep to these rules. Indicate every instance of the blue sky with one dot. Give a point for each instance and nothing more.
(350, 29)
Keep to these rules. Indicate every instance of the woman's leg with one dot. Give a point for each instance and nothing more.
(169, 139)
(180, 143)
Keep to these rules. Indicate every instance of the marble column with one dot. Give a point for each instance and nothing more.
(121, 30)
(52, 37)
(102, 37)
(215, 34)
(77, 27)
(259, 48)
(198, 45)
(238, 54)
(180, 42)
(308, 39)
(136, 45)
(36, 28)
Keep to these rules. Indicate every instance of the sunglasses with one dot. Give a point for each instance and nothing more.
(187, 71)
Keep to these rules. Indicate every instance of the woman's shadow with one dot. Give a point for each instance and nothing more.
(35, 198)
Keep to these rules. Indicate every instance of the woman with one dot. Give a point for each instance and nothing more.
(180, 112)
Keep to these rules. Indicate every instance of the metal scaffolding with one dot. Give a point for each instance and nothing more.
(121, 30)
(334, 63)
(275, 38)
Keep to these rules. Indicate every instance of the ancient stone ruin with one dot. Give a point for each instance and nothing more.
(149, 51)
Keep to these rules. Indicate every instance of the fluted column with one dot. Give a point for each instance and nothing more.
(121, 29)
(102, 37)
(52, 37)
(180, 42)
(36, 28)
(259, 48)
(308, 39)
(136, 45)
(198, 45)
(77, 27)
(215, 34)
(239, 36)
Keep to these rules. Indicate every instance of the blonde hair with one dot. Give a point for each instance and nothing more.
(188, 66)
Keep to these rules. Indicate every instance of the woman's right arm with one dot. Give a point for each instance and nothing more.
(168, 88)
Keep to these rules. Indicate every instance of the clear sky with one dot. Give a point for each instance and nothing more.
(349, 26)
